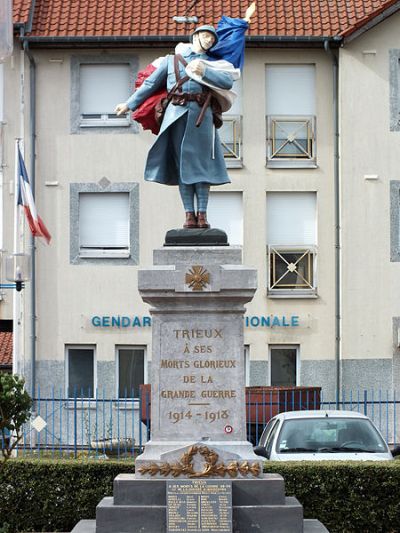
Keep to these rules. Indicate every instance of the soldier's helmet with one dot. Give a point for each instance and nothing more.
(209, 28)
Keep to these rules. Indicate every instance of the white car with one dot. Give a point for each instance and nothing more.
(322, 435)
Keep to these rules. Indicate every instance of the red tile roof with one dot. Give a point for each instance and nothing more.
(21, 11)
(119, 18)
(6, 348)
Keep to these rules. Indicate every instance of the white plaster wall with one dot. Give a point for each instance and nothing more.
(371, 283)
(69, 294)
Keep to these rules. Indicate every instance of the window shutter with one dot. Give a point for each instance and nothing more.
(236, 109)
(102, 87)
(291, 218)
(104, 220)
(290, 89)
(225, 211)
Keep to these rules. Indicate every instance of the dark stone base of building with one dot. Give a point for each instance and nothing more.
(139, 505)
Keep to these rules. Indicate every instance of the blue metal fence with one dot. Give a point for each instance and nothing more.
(120, 427)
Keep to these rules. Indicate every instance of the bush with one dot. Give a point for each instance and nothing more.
(347, 497)
(15, 410)
(42, 495)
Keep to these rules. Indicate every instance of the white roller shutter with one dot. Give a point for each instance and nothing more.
(104, 220)
(225, 211)
(290, 89)
(291, 218)
(102, 87)
(236, 109)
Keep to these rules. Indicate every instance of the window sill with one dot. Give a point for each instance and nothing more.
(130, 405)
(292, 295)
(80, 403)
(97, 403)
(279, 163)
(104, 124)
(104, 255)
(233, 163)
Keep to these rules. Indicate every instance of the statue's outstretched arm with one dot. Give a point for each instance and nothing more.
(250, 12)
(156, 81)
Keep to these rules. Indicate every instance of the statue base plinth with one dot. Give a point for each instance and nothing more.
(196, 237)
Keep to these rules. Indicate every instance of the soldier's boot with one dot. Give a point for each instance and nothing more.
(202, 220)
(191, 221)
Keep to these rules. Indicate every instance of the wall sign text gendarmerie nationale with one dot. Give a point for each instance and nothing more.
(199, 506)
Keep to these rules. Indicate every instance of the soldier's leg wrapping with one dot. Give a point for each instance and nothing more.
(202, 193)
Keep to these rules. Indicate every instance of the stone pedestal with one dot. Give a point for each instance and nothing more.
(139, 505)
(198, 419)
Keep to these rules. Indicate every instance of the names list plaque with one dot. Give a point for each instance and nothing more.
(199, 506)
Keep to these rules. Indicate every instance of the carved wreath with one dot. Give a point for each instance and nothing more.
(185, 467)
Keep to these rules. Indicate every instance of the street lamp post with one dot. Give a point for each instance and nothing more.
(18, 269)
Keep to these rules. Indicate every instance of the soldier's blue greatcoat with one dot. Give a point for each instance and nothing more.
(182, 150)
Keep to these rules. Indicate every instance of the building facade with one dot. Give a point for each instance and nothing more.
(312, 148)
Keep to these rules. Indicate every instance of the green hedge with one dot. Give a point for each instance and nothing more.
(45, 495)
(54, 495)
(347, 497)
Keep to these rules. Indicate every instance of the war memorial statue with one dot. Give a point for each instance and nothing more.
(198, 79)
(198, 473)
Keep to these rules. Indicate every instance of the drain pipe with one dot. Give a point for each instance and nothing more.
(336, 170)
(32, 134)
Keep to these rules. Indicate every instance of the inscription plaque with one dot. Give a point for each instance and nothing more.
(199, 388)
(199, 506)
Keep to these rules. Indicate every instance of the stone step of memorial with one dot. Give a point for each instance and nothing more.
(140, 505)
(309, 526)
(150, 518)
(266, 490)
(111, 517)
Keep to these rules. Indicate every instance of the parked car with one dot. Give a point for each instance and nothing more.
(322, 435)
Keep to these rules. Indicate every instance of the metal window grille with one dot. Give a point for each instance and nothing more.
(231, 137)
(291, 137)
(292, 268)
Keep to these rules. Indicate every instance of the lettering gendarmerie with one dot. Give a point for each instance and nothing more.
(212, 333)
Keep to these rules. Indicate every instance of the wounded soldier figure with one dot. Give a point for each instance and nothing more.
(198, 79)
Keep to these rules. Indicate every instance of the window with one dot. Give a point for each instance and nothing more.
(291, 115)
(102, 87)
(225, 211)
(98, 84)
(283, 366)
(104, 222)
(80, 372)
(291, 244)
(231, 130)
(131, 371)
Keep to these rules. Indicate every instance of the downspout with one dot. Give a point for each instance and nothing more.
(1, 153)
(338, 288)
(32, 135)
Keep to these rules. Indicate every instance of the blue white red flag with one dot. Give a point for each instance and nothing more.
(25, 198)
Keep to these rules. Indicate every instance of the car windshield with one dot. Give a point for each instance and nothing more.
(329, 435)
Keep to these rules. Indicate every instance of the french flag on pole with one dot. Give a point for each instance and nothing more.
(25, 198)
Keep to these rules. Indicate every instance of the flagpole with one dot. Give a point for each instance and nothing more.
(16, 249)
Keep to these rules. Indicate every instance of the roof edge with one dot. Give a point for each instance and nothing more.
(370, 22)
(173, 38)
